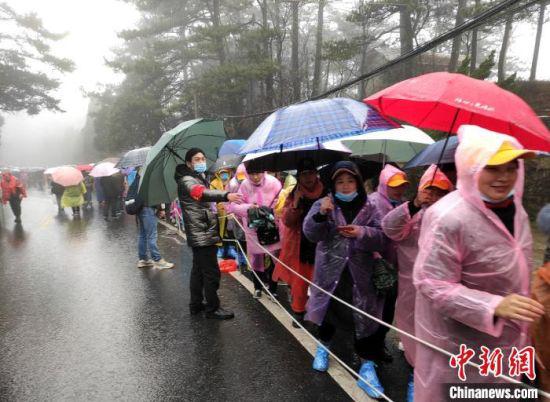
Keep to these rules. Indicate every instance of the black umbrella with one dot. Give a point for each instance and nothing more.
(289, 159)
(432, 153)
(369, 169)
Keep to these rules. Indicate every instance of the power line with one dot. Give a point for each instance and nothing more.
(467, 25)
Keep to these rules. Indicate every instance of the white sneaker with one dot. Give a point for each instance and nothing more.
(162, 264)
(145, 263)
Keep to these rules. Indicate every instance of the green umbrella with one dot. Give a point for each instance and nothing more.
(157, 183)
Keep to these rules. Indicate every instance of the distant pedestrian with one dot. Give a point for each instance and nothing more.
(89, 183)
(73, 197)
(13, 191)
(57, 190)
(112, 190)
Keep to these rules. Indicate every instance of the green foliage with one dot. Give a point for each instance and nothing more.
(485, 67)
(340, 50)
(483, 71)
(25, 56)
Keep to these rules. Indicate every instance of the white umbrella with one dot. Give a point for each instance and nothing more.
(104, 169)
(399, 144)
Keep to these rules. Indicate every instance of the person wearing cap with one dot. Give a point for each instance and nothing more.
(346, 227)
(221, 182)
(13, 192)
(297, 251)
(201, 228)
(392, 185)
(402, 226)
(472, 273)
(259, 189)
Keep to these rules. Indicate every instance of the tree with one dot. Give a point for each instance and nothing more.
(540, 22)
(473, 50)
(25, 54)
(294, 62)
(455, 51)
(318, 49)
(504, 48)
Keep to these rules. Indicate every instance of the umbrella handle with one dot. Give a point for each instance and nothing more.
(445, 145)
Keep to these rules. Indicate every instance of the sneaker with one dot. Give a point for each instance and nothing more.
(258, 294)
(368, 374)
(410, 388)
(320, 362)
(163, 264)
(145, 263)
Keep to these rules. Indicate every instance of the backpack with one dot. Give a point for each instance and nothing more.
(134, 203)
(263, 220)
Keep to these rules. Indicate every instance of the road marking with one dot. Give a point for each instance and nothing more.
(342, 377)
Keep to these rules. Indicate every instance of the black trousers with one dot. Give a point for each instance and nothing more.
(15, 204)
(265, 277)
(205, 278)
(389, 311)
(110, 207)
(368, 348)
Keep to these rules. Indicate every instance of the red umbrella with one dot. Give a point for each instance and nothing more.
(445, 101)
(85, 168)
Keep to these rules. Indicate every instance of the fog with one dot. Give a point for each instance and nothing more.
(55, 138)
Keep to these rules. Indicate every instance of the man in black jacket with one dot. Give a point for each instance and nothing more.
(201, 227)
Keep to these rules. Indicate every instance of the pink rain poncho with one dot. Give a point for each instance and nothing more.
(233, 187)
(404, 230)
(468, 262)
(382, 203)
(380, 196)
(264, 194)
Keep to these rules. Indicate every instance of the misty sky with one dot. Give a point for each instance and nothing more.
(92, 26)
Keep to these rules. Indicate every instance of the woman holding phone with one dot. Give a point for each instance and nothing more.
(346, 227)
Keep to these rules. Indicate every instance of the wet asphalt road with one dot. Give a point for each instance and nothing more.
(79, 321)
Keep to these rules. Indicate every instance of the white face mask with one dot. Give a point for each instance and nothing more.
(491, 201)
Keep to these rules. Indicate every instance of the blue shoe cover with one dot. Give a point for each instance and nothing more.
(410, 389)
(320, 363)
(368, 373)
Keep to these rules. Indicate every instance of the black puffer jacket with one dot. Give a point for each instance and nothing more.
(196, 198)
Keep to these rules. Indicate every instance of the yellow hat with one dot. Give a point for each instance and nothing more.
(508, 152)
(397, 180)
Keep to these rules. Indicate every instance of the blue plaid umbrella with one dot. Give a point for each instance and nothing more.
(315, 122)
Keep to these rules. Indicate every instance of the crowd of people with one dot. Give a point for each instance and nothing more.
(450, 265)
